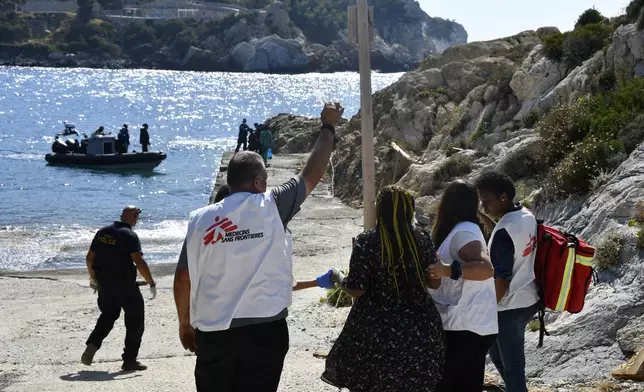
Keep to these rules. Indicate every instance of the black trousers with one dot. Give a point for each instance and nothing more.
(111, 299)
(243, 359)
(239, 143)
(464, 361)
(144, 147)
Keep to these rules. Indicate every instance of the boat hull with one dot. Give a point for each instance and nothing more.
(129, 161)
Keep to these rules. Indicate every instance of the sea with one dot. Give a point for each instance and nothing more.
(49, 215)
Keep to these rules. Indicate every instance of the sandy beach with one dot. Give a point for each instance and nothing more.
(48, 315)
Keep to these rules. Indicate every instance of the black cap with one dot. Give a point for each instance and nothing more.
(145, 125)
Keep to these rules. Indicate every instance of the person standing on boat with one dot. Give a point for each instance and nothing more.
(144, 138)
(112, 262)
(124, 139)
(233, 281)
(242, 137)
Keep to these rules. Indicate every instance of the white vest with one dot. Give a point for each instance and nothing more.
(466, 305)
(239, 261)
(522, 227)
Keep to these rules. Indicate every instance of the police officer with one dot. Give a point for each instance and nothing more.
(242, 137)
(112, 261)
(144, 138)
(233, 282)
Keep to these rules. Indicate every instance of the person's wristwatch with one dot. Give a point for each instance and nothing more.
(153, 285)
(457, 270)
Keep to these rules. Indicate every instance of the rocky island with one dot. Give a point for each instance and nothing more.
(562, 114)
(247, 36)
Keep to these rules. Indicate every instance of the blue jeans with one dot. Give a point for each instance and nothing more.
(507, 353)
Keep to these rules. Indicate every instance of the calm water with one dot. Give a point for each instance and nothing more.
(48, 215)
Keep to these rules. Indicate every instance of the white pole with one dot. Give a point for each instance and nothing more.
(366, 116)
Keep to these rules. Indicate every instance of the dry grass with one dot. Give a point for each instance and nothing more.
(607, 252)
(534, 325)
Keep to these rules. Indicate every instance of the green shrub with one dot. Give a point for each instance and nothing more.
(12, 32)
(634, 10)
(137, 34)
(575, 173)
(455, 146)
(554, 46)
(101, 45)
(589, 16)
(562, 128)
(607, 252)
(534, 325)
(632, 134)
(455, 166)
(640, 238)
(581, 44)
(590, 136)
(530, 120)
(575, 47)
(481, 130)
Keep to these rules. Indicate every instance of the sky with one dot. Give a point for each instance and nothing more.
(489, 19)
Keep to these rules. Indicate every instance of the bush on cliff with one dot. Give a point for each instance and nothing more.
(589, 16)
(591, 136)
(577, 46)
(635, 13)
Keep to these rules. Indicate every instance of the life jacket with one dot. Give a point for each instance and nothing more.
(563, 272)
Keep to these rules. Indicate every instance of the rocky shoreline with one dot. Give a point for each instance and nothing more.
(265, 40)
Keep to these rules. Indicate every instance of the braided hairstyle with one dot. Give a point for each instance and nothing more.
(398, 246)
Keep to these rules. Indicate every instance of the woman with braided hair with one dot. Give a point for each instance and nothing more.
(393, 337)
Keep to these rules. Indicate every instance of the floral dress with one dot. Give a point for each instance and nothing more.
(387, 344)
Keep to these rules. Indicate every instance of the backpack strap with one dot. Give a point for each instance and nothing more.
(542, 323)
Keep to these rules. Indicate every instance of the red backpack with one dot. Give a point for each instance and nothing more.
(563, 272)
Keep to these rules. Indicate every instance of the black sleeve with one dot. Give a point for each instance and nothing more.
(94, 246)
(134, 244)
(502, 255)
(183, 257)
(289, 197)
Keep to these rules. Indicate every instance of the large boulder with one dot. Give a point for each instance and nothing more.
(626, 54)
(270, 54)
(538, 75)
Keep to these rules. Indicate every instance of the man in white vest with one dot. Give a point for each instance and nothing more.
(512, 248)
(233, 282)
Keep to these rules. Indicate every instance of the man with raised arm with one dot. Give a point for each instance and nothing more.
(233, 282)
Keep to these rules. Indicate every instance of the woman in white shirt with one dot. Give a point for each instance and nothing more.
(466, 298)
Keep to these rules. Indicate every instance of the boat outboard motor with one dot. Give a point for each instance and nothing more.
(58, 147)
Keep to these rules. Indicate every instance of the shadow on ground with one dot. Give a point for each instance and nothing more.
(88, 375)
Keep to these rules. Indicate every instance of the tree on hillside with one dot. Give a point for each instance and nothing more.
(635, 13)
(589, 16)
(85, 10)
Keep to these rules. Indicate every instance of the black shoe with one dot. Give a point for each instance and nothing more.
(132, 366)
(88, 355)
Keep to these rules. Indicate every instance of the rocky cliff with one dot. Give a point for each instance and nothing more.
(497, 105)
(266, 40)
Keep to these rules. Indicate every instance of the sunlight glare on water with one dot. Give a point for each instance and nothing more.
(49, 214)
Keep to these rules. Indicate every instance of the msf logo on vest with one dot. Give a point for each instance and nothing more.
(224, 230)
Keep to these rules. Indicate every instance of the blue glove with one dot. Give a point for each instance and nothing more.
(325, 281)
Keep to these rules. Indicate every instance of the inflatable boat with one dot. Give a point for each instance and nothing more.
(98, 152)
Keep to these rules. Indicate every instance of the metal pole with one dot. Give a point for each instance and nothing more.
(366, 116)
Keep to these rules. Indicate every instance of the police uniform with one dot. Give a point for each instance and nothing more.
(117, 288)
(239, 257)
